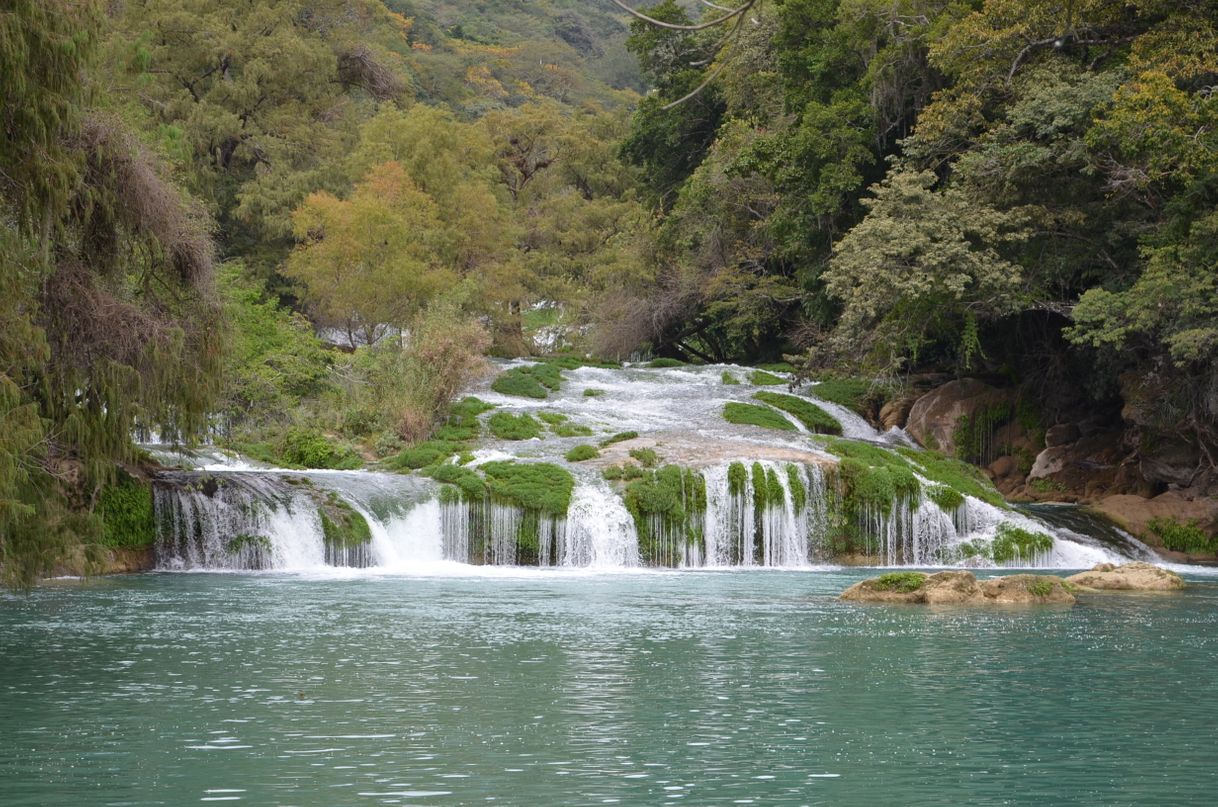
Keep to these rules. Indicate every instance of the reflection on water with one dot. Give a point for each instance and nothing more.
(629, 688)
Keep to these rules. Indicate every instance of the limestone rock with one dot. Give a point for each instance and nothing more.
(961, 588)
(1062, 434)
(894, 414)
(1002, 467)
(933, 417)
(1134, 513)
(1136, 576)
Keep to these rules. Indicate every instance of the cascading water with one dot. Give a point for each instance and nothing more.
(730, 496)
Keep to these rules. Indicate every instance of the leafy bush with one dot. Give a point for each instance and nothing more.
(507, 426)
(812, 416)
(302, 447)
(753, 415)
(125, 507)
(625, 472)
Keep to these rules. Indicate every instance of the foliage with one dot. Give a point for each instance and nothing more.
(341, 525)
(948, 499)
(955, 474)
(799, 491)
(665, 362)
(125, 507)
(1182, 537)
(812, 416)
(856, 394)
(423, 455)
(530, 381)
(903, 582)
(762, 378)
(754, 415)
(471, 485)
(667, 505)
(729, 378)
(647, 457)
(1014, 544)
(534, 486)
(618, 438)
(507, 426)
(582, 452)
(626, 471)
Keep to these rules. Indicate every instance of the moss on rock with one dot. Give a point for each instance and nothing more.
(816, 420)
(507, 426)
(743, 414)
(539, 486)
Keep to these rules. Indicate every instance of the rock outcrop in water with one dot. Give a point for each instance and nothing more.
(961, 588)
(1136, 576)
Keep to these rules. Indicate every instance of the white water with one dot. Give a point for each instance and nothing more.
(678, 410)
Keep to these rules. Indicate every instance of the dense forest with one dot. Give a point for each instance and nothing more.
(297, 227)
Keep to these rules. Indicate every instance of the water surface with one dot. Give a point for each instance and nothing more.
(529, 687)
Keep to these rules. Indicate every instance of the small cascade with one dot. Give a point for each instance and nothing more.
(495, 534)
(600, 531)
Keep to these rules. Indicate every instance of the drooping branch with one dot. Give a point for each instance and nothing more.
(701, 26)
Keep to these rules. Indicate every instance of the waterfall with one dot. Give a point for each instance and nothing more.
(600, 531)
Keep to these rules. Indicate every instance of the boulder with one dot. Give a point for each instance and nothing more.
(1062, 434)
(1134, 513)
(934, 416)
(1002, 467)
(1136, 576)
(960, 588)
(895, 413)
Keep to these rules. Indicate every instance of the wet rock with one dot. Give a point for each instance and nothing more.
(933, 418)
(895, 414)
(1134, 513)
(961, 588)
(1136, 576)
(1002, 467)
(1062, 434)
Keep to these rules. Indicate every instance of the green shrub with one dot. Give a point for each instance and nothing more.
(665, 362)
(423, 454)
(462, 423)
(812, 416)
(618, 438)
(125, 507)
(1013, 543)
(754, 415)
(532, 381)
(672, 498)
(1178, 537)
(537, 486)
(507, 426)
(904, 582)
(301, 447)
(582, 452)
(761, 378)
(647, 457)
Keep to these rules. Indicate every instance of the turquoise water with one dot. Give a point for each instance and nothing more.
(743, 687)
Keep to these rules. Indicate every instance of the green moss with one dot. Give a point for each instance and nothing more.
(466, 480)
(462, 422)
(665, 362)
(532, 381)
(553, 418)
(856, 394)
(125, 507)
(812, 416)
(647, 457)
(777, 367)
(754, 415)
(423, 454)
(673, 499)
(537, 486)
(876, 487)
(624, 472)
(571, 361)
(799, 492)
(1182, 537)
(973, 435)
(301, 447)
(571, 430)
(761, 378)
(618, 438)
(948, 499)
(767, 489)
(465, 458)
(259, 543)
(729, 379)
(593, 393)
(1013, 543)
(341, 525)
(582, 452)
(737, 478)
(965, 478)
(904, 582)
(507, 426)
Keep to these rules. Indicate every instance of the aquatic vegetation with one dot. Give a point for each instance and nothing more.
(729, 378)
(777, 367)
(665, 362)
(1013, 543)
(1040, 587)
(301, 447)
(904, 582)
(259, 543)
(948, 499)
(761, 378)
(961, 476)
(754, 415)
(464, 479)
(341, 525)
(812, 416)
(125, 507)
(647, 457)
(1182, 537)
(531, 381)
(667, 506)
(582, 452)
(737, 478)
(856, 394)
(624, 472)
(552, 418)
(618, 438)
(592, 392)
(423, 454)
(507, 426)
(799, 492)
(572, 430)
(462, 423)
(539, 486)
